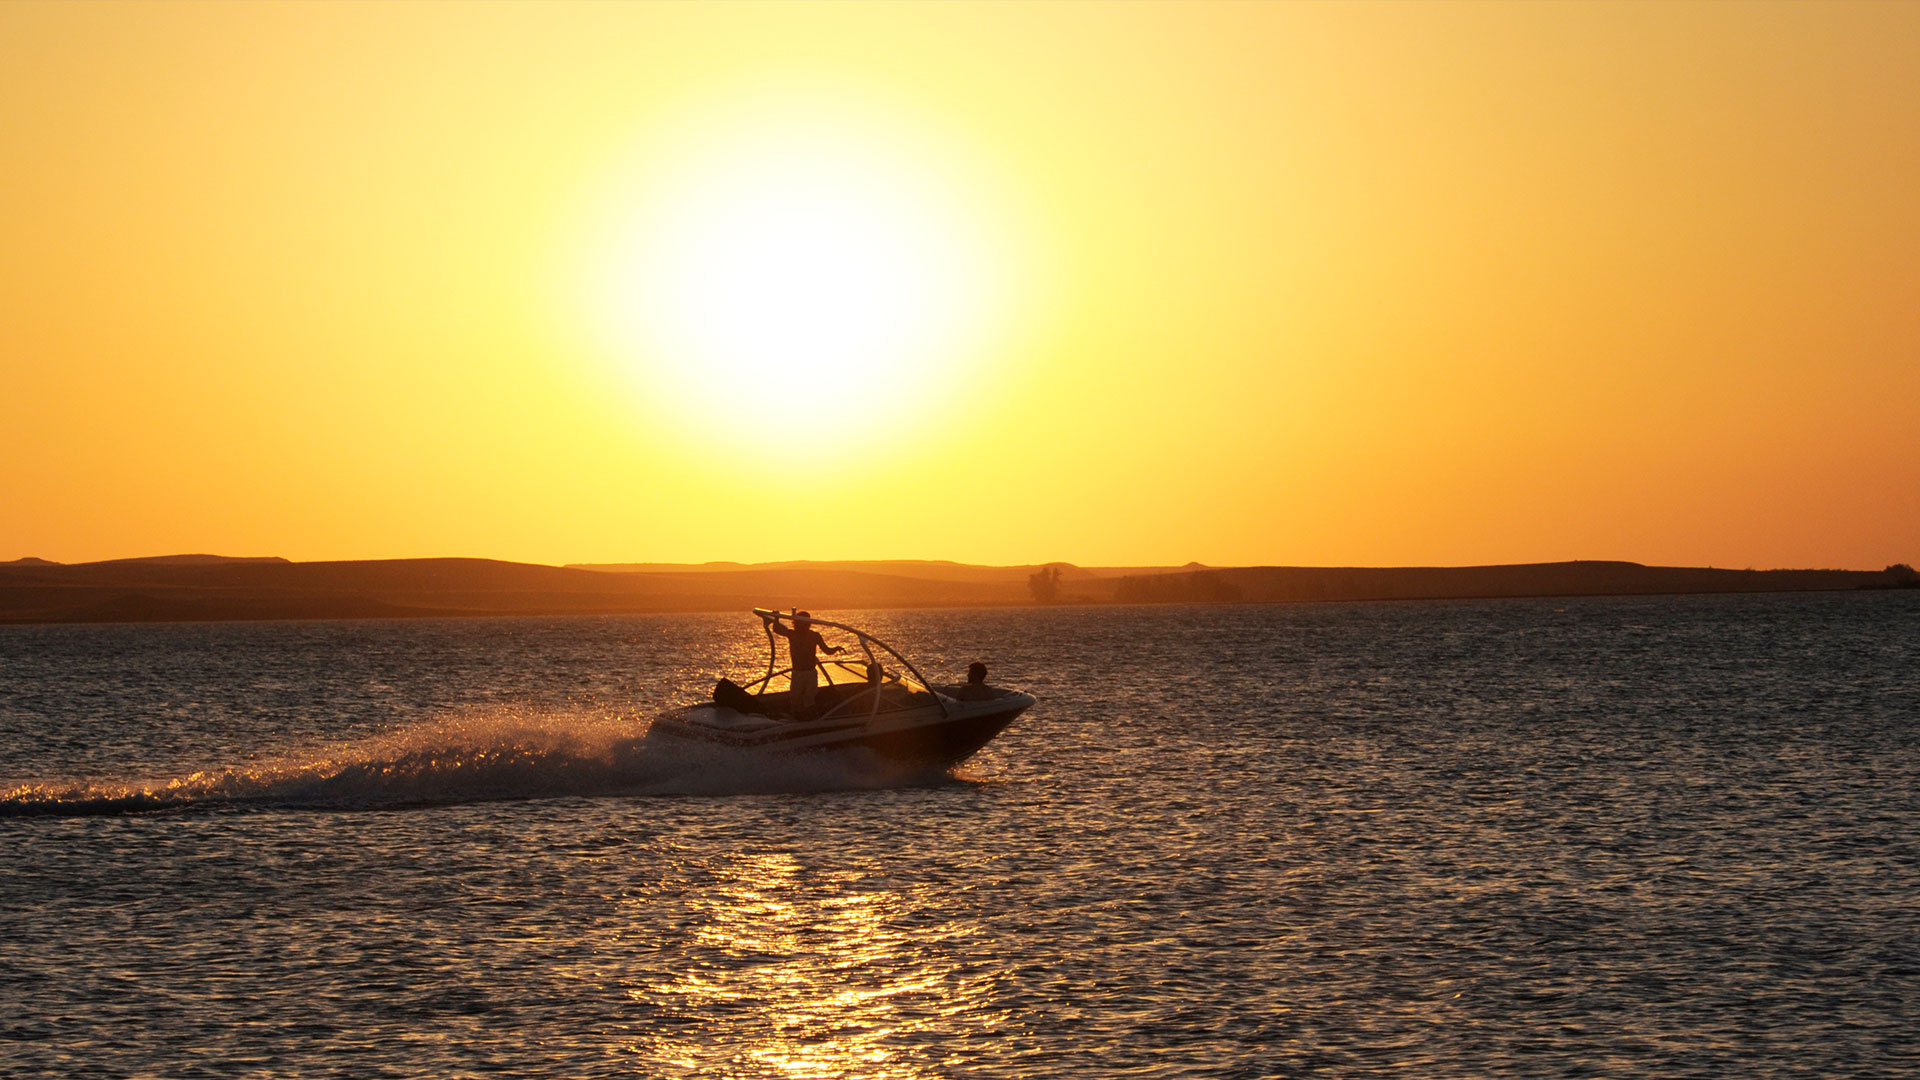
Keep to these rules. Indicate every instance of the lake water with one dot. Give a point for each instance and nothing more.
(1650, 837)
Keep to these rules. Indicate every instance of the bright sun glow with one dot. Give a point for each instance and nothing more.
(798, 277)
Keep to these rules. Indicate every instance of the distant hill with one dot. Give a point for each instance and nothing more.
(197, 560)
(208, 587)
(1294, 584)
(172, 589)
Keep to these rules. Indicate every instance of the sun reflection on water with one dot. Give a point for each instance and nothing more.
(793, 973)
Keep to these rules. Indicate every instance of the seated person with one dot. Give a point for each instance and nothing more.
(976, 688)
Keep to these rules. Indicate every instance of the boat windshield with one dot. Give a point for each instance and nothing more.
(837, 672)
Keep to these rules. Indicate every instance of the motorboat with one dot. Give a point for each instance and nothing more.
(871, 699)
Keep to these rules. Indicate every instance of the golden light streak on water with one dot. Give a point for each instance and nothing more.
(827, 974)
(790, 972)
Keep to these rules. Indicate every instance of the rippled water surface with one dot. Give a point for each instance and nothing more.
(1661, 837)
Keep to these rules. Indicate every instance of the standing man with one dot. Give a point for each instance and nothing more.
(802, 640)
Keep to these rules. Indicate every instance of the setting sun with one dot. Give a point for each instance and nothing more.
(797, 274)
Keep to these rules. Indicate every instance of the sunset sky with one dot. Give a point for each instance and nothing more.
(1318, 284)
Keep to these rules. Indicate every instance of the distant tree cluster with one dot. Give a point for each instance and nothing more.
(1203, 587)
(1902, 575)
(1044, 584)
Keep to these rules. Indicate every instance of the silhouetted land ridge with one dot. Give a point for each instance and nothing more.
(208, 587)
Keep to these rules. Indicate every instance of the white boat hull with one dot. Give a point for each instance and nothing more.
(936, 736)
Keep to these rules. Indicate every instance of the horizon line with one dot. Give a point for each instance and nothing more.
(668, 564)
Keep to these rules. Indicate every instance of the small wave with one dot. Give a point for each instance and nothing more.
(483, 758)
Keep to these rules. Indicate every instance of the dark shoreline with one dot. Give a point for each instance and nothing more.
(208, 588)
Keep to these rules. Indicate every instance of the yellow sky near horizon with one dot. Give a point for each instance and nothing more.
(1131, 284)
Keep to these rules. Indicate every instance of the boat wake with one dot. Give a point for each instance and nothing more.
(482, 758)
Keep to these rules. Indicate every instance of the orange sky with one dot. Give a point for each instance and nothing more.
(1117, 284)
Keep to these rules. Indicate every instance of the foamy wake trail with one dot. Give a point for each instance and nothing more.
(478, 758)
